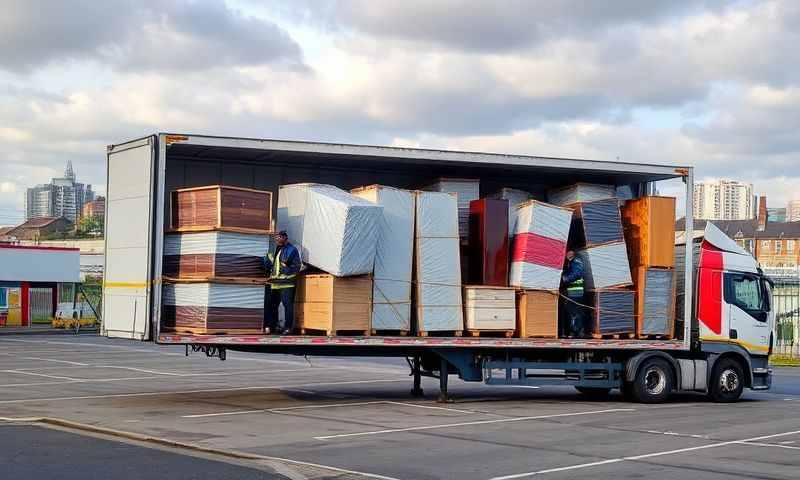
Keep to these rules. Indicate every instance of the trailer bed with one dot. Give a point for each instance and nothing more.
(418, 342)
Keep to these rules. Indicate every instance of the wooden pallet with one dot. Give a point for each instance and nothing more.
(335, 333)
(655, 337)
(230, 280)
(214, 331)
(616, 336)
(544, 337)
(490, 333)
(390, 333)
(441, 333)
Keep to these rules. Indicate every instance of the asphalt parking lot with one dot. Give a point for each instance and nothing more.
(287, 417)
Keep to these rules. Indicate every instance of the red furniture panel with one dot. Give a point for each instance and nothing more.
(488, 242)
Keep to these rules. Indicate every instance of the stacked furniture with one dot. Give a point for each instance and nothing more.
(488, 242)
(391, 293)
(213, 260)
(515, 198)
(649, 232)
(466, 190)
(333, 305)
(579, 193)
(489, 309)
(437, 272)
(597, 237)
(612, 313)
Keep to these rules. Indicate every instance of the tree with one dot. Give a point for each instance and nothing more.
(93, 224)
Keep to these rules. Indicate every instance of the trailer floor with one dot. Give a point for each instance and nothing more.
(353, 418)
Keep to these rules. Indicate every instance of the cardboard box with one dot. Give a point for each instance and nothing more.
(332, 304)
(537, 313)
(218, 206)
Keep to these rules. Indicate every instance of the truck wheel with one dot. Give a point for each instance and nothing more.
(626, 390)
(594, 392)
(727, 381)
(653, 382)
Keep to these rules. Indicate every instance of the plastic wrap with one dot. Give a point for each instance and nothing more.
(580, 192)
(659, 294)
(539, 246)
(335, 231)
(596, 223)
(467, 190)
(391, 308)
(613, 312)
(438, 272)
(606, 266)
(515, 198)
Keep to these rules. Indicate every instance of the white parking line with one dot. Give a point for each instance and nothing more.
(326, 405)
(642, 457)
(206, 390)
(57, 377)
(465, 424)
(775, 445)
(54, 361)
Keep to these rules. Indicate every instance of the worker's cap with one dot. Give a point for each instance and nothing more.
(283, 233)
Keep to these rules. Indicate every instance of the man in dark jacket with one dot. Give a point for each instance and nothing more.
(572, 286)
(282, 265)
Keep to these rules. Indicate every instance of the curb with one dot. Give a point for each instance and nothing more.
(45, 331)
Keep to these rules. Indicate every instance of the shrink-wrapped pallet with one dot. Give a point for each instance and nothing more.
(215, 254)
(606, 266)
(540, 242)
(613, 312)
(438, 269)
(580, 192)
(596, 223)
(655, 301)
(515, 198)
(216, 206)
(335, 231)
(489, 309)
(209, 308)
(537, 313)
(467, 190)
(391, 296)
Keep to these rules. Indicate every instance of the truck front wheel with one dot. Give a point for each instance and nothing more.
(653, 382)
(727, 381)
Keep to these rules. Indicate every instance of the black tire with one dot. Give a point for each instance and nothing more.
(594, 392)
(727, 381)
(653, 382)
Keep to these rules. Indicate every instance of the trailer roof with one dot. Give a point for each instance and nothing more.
(250, 149)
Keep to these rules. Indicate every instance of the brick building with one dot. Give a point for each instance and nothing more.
(37, 228)
(96, 207)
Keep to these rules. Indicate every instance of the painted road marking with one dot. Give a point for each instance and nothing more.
(775, 445)
(466, 424)
(57, 377)
(642, 457)
(206, 390)
(327, 405)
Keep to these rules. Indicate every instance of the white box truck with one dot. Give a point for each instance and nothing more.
(724, 306)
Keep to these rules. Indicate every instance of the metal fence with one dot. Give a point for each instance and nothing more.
(786, 299)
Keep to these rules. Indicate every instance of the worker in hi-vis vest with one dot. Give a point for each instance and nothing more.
(283, 265)
(572, 287)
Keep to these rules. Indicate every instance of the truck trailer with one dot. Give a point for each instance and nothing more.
(724, 308)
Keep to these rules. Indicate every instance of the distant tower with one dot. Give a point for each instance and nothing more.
(68, 172)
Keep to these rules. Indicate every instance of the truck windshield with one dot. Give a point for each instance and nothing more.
(747, 292)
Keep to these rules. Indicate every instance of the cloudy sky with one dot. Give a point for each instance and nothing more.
(715, 84)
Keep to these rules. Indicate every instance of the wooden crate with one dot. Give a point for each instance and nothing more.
(537, 313)
(489, 308)
(655, 302)
(332, 305)
(649, 224)
(219, 206)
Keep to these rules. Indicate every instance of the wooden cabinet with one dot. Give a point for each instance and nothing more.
(649, 224)
(489, 309)
(488, 242)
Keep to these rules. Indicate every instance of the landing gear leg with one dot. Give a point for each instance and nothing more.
(444, 397)
(416, 370)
